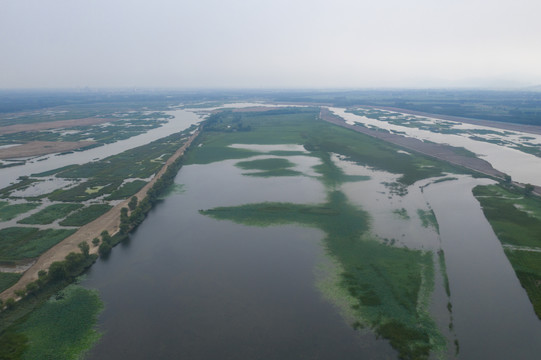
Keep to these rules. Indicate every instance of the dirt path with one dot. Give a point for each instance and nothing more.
(109, 221)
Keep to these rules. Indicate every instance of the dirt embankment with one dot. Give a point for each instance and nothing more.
(110, 221)
(438, 151)
(12, 129)
(35, 148)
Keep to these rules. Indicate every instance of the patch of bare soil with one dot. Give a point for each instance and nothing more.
(35, 148)
(11, 129)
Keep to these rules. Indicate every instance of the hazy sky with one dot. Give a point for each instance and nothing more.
(269, 43)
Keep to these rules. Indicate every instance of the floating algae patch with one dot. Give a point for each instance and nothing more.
(387, 289)
(402, 213)
(61, 329)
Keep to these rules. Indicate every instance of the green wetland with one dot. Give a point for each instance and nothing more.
(284, 237)
(297, 238)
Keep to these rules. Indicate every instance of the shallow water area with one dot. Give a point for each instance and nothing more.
(189, 286)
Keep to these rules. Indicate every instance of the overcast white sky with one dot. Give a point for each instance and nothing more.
(269, 43)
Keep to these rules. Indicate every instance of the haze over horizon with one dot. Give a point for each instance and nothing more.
(269, 44)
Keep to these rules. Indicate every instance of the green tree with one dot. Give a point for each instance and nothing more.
(95, 241)
(32, 288)
(104, 249)
(528, 189)
(133, 203)
(20, 292)
(73, 260)
(58, 271)
(10, 303)
(105, 237)
(85, 248)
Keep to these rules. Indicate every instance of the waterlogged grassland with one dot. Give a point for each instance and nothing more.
(8, 212)
(50, 214)
(86, 215)
(385, 288)
(18, 243)
(61, 329)
(516, 220)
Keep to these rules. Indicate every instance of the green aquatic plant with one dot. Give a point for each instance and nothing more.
(390, 287)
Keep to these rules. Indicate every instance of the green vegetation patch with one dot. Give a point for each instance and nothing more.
(127, 190)
(61, 329)
(17, 243)
(269, 167)
(402, 213)
(428, 219)
(516, 220)
(8, 212)
(86, 215)
(391, 286)
(50, 214)
(527, 265)
(8, 279)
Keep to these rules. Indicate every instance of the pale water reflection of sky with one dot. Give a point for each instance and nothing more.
(269, 43)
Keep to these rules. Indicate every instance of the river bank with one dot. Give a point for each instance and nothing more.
(110, 222)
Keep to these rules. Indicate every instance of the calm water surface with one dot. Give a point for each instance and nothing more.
(188, 286)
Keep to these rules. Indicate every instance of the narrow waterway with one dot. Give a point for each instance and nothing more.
(493, 317)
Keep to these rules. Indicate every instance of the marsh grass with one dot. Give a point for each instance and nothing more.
(50, 214)
(86, 215)
(127, 190)
(516, 220)
(428, 219)
(22, 243)
(8, 212)
(7, 280)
